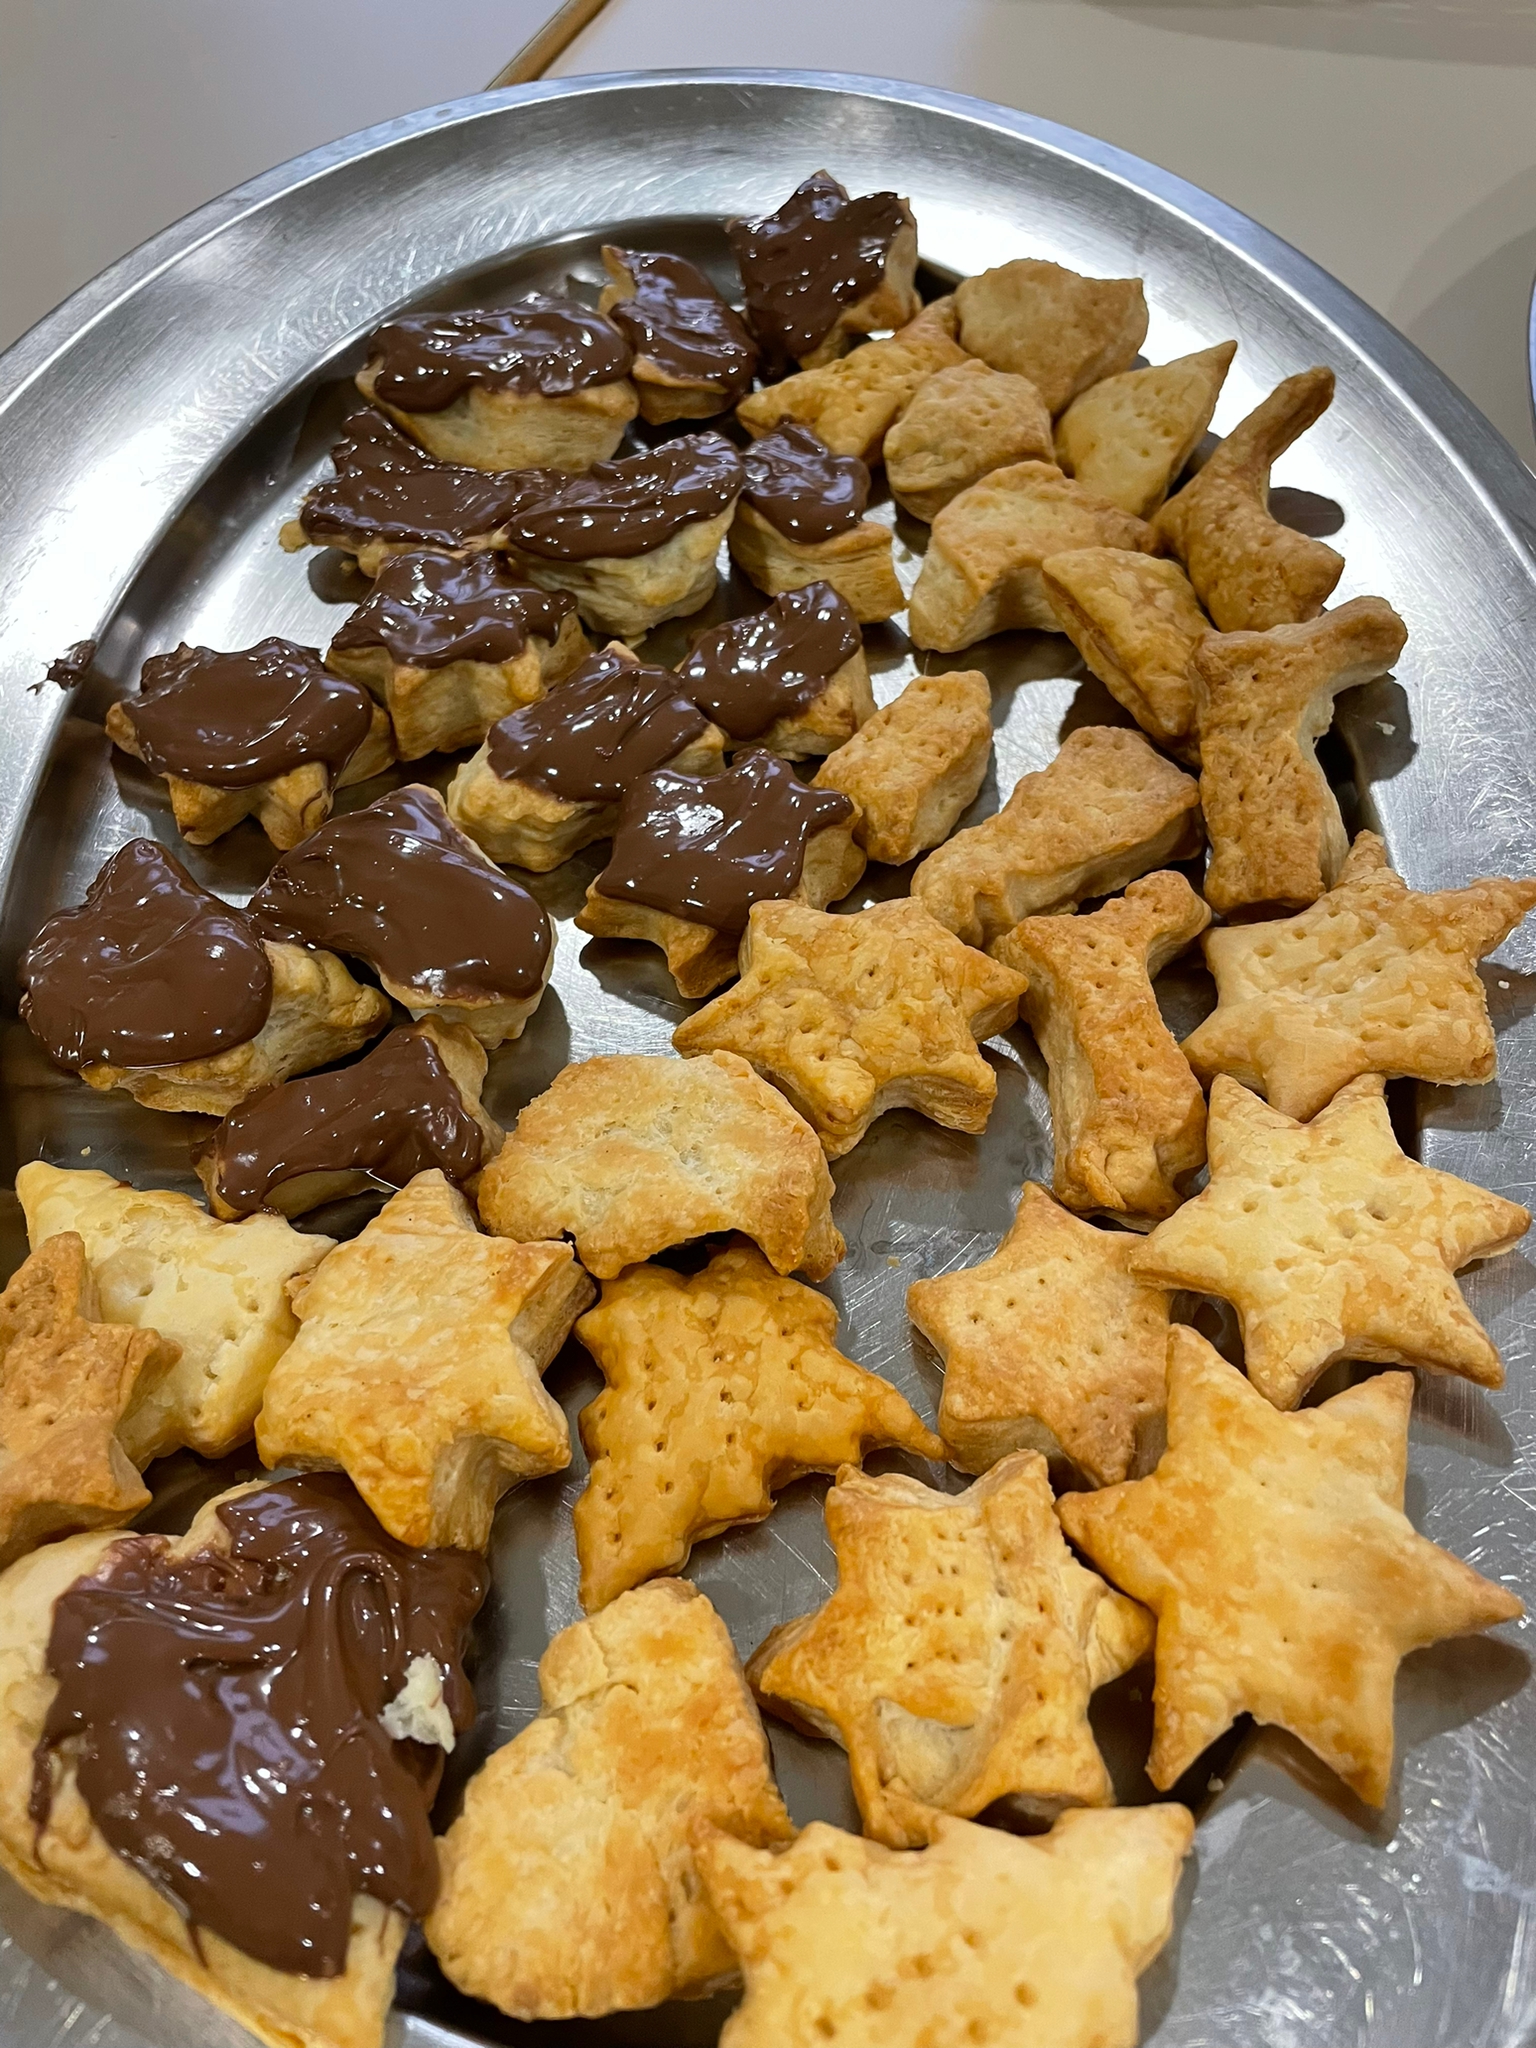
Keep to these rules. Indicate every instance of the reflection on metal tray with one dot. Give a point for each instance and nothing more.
(153, 435)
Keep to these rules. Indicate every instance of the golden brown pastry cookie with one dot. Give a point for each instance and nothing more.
(956, 1658)
(1286, 1580)
(569, 1882)
(1062, 331)
(1134, 619)
(693, 354)
(852, 1016)
(825, 269)
(981, 574)
(218, 1292)
(899, 1949)
(1263, 700)
(1127, 1115)
(1051, 1345)
(801, 521)
(791, 678)
(633, 1153)
(962, 423)
(1248, 570)
(720, 1389)
(1373, 978)
(916, 765)
(853, 404)
(1107, 809)
(1129, 437)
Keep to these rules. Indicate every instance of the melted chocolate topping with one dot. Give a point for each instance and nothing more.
(71, 667)
(820, 252)
(594, 734)
(708, 848)
(752, 670)
(385, 488)
(679, 322)
(148, 971)
(223, 1716)
(230, 720)
(801, 487)
(541, 345)
(397, 1112)
(399, 886)
(628, 508)
(428, 610)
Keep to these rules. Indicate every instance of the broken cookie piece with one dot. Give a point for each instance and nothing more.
(791, 678)
(1060, 330)
(916, 765)
(852, 404)
(1136, 622)
(693, 354)
(963, 422)
(801, 521)
(825, 269)
(1129, 437)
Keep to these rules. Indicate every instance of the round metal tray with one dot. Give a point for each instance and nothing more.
(155, 431)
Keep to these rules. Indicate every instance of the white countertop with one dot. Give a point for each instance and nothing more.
(1392, 140)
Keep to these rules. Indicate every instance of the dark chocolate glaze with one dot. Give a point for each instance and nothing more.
(630, 507)
(148, 971)
(427, 610)
(231, 720)
(820, 252)
(708, 848)
(386, 488)
(71, 667)
(595, 733)
(543, 346)
(397, 1112)
(752, 670)
(399, 886)
(222, 1714)
(679, 322)
(801, 487)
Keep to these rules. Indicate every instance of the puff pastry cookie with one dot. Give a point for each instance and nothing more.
(916, 765)
(1136, 622)
(853, 404)
(1129, 437)
(693, 354)
(1062, 331)
(800, 521)
(825, 269)
(791, 678)
(962, 423)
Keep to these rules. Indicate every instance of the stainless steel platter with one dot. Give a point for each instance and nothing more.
(155, 431)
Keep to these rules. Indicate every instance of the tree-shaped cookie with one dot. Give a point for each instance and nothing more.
(721, 1389)
(1286, 1579)
(1331, 1243)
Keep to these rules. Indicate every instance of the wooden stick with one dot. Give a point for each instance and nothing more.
(542, 48)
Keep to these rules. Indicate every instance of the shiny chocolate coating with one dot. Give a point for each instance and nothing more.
(223, 1716)
(399, 886)
(427, 610)
(752, 670)
(393, 1114)
(706, 848)
(678, 321)
(70, 668)
(608, 723)
(801, 488)
(150, 970)
(820, 252)
(231, 720)
(385, 488)
(629, 507)
(541, 346)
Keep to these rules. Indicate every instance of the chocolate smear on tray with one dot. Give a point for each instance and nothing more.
(608, 723)
(385, 488)
(820, 252)
(69, 669)
(801, 487)
(679, 322)
(231, 720)
(427, 610)
(629, 507)
(755, 669)
(542, 346)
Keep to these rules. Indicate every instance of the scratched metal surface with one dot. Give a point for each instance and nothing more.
(154, 433)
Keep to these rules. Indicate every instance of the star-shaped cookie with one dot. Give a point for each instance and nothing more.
(982, 1937)
(1286, 1579)
(1331, 1243)
(1051, 1345)
(957, 1657)
(1373, 978)
(418, 1366)
(852, 1016)
(721, 1389)
(66, 1382)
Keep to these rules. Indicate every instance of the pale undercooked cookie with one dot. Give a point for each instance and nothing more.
(962, 423)
(1062, 331)
(801, 520)
(1129, 437)
(1051, 1345)
(916, 765)
(418, 1366)
(720, 1389)
(1107, 809)
(1330, 1243)
(1136, 622)
(791, 678)
(217, 1290)
(1373, 978)
(633, 1153)
(825, 269)
(1127, 1115)
(1262, 701)
(851, 1016)
(957, 1656)
(1286, 1580)
(981, 574)
(693, 354)
(853, 404)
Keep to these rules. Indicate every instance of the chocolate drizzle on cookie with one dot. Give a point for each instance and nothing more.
(150, 970)
(630, 507)
(222, 1716)
(608, 723)
(708, 848)
(386, 489)
(399, 886)
(428, 610)
(756, 669)
(231, 720)
(542, 346)
(801, 487)
(680, 324)
(820, 252)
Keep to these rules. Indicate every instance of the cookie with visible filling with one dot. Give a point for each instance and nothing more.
(825, 269)
(963, 422)
(916, 765)
(791, 678)
(694, 356)
(801, 520)
(1061, 330)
